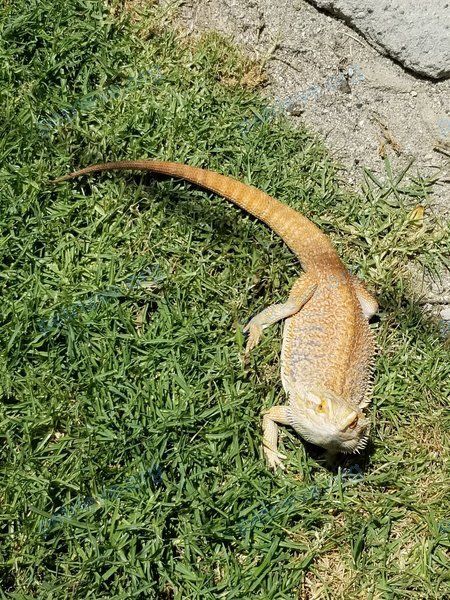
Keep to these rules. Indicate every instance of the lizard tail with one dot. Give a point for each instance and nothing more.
(309, 244)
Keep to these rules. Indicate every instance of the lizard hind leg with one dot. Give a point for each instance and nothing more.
(302, 291)
(368, 303)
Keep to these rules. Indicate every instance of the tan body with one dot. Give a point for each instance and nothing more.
(327, 344)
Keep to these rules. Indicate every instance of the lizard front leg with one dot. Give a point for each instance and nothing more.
(276, 414)
(301, 292)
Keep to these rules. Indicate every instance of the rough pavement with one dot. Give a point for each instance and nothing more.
(417, 34)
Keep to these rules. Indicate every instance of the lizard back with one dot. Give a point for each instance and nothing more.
(328, 344)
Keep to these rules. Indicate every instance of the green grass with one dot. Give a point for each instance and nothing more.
(130, 426)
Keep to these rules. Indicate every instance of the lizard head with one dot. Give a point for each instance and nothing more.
(326, 420)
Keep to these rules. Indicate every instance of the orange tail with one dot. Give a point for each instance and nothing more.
(311, 246)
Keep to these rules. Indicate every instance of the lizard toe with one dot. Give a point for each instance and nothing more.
(255, 332)
(274, 459)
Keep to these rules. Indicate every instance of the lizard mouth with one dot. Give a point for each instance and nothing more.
(334, 440)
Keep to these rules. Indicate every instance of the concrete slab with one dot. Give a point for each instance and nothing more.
(416, 34)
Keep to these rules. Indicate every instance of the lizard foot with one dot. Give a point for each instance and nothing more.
(254, 335)
(274, 458)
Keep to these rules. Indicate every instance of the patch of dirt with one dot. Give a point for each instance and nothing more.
(332, 576)
(364, 106)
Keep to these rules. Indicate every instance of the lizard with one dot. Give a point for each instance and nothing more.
(328, 347)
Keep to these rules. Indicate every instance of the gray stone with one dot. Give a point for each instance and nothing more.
(416, 34)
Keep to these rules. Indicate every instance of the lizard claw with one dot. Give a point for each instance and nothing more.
(274, 458)
(255, 332)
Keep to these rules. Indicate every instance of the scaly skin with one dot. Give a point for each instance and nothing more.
(328, 348)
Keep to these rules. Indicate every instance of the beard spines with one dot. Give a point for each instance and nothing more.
(362, 443)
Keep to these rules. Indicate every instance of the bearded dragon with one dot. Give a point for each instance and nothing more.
(328, 348)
